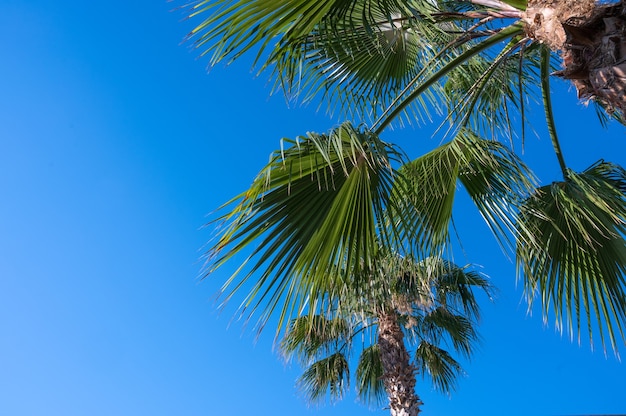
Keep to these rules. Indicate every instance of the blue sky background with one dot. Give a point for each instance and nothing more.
(115, 144)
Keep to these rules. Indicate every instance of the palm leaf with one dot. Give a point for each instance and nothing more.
(315, 212)
(369, 372)
(440, 323)
(485, 92)
(495, 178)
(424, 81)
(362, 57)
(454, 288)
(578, 261)
(329, 375)
(439, 365)
(310, 336)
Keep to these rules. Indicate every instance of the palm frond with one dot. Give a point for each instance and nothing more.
(547, 106)
(495, 178)
(232, 28)
(454, 287)
(357, 55)
(310, 336)
(578, 261)
(423, 82)
(369, 372)
(316, 213)
(440, 325)
(485, 91)
(361, 58)
(329, 375)
(439, 365)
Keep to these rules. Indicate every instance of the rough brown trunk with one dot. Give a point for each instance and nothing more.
(399, 374)
(591, 39)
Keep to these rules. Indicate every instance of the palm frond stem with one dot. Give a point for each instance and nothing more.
(547, 105)
(496, 4)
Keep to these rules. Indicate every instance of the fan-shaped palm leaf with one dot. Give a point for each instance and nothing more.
(441, 323)
(315, 212)
(578, 261)
(311, 336)
(497, 86)
(369, 372)
(359, 52)
(495, 178)
(328, 375)
(455, 287)
(438, 364)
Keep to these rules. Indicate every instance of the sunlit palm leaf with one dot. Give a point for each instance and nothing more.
(231, 27)
(454, 287)
(315, 212)
(360, 54)
(424, 81)
(439, 365)
(488, 91)
(362, 58)
(441, 323)
(578, 262)
(330, 375)
(495, 178)
(310, 336)
(369, 372)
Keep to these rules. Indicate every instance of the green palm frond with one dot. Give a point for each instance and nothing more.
(440, 323)
(362, 58)
(369, 372)
(315, 212)
(358, 54)
(578, 261)
(454, 287)
(495, 178)
(440, 68)
(485, 92)
(310, 336)
(329, 375)
(393, 275)
(439, 365)
(231, 28)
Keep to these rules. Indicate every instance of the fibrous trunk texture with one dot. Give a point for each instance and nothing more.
(399, 374)
(591, 39)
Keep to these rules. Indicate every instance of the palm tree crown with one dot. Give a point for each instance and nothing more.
(427, 306)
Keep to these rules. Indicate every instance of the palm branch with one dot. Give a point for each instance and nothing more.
(315, 213)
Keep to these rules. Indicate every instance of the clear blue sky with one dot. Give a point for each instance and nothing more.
(115, 144)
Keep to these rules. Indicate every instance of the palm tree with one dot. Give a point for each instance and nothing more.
(476, 61)
(427, 305)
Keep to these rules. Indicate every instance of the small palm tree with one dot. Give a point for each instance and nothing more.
(425, 307)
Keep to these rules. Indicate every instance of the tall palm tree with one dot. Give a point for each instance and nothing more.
(476, 60)
(424, 307)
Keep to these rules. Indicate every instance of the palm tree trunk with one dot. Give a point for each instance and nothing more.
(591, 39)
(399, 374)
